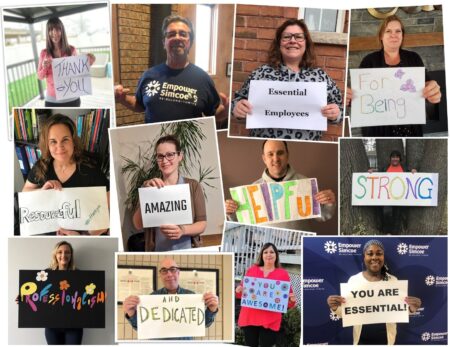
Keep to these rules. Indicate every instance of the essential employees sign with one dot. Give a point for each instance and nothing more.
(288, 105)
(265, 294)
(72, 76)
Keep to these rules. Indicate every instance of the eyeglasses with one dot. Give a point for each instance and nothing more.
(172, 270)
(169, 156)
(183, 34)
(288, 37)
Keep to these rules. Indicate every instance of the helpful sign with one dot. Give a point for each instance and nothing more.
(166, 205)
(288, 105)
(265, 294)
(395, 189)
(42, 211)
(387, 96)
(72, 76)
(276, 201)
(374, 302)
(61, 299)
(162, 316)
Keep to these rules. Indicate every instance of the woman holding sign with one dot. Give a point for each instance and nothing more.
(291, 59)
(260, 326)
(391, 36)
(63, 164)
(169, 237)
(56, 47)
(375, 270)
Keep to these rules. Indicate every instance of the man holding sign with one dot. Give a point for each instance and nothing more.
(169, 273)
(384, 331)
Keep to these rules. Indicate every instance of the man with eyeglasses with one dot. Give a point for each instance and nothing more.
(169, 273)
(176, 89)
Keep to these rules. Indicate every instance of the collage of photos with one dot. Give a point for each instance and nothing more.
(225, 174)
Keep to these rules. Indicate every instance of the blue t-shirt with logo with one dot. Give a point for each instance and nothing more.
(173, 94)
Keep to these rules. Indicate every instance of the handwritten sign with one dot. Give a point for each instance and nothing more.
(276, 201)
(61, 299)
(374, 302)
(265, 294)
(395, 189)
(167, 205)
(43, 211)
(72, 76)
(388, 96)
(161, 316)
(288, 105)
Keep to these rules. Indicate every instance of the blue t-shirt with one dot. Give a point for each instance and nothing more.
(173, 94)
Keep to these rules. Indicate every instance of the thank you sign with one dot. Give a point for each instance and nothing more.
(72, 76)
(265, 294)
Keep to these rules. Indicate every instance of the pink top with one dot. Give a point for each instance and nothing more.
(48, 72)
(253, 316)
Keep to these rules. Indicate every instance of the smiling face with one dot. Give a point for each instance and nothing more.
(292, 50)
(177, 41)
(60, 143)
(374, 259)
(393, 36)
(63, 256)
(276, 158)
(170, 276)
(269, 256)
(166, 166)
(395, 160)
(55, 35)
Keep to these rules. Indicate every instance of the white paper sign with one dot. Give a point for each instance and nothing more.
(287, 105)
(72, 76)
(387, 96)
(374, 302)
(167, 205)
(162, 316)
(395, 189)
(83, 208)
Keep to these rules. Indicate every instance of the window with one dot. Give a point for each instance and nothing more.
(206, 37)
(323, 20)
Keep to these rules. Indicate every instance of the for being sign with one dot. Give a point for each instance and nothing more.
(388, 96)
(265, 294)
(395, 189)
(287, 105)
(276, 201)
(72, 76)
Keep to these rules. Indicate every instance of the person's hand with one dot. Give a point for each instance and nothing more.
(413, 303)
(325, 197)
(231, 206)
(370, 170)
(239, 289)
(224, 99)
(292, 298)
(413, 171)
(91, 58)
(120, 93)
(62, 231)
(171, 231)
(130, 305)
(348, 96)
(46, 63)
(211, 301)
(52, 184)
(331, 111)
(154, 182)
(432, 92)
(242, 108)
(334, 301)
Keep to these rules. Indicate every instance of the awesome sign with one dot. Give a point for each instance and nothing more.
(287, 105)
(72, 76)
(161, 316)
(388, 96)
(395, 189)
(374, 302)
(166, 205)
(43, 211)
(61, 299)
(265, 294)
(276, 201)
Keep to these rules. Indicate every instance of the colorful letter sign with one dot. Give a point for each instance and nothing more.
(265, 294)
(288, 105)
(83, 208)
(276, 201)
(388, 96)
(395, 189)
(72, 76)
(161, 316)
(374, 302)
(167, 205)
(61, 299)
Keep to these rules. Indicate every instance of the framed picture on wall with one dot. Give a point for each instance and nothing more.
(134, 280)
(200, 280)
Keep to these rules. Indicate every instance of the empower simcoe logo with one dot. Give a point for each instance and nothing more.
(434, 336)
(341, 248)
(152, 88)
(437, 281)
(313, 284)
(413, 250)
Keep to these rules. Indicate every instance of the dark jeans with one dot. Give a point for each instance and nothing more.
(56, 336)
(74, 103)
(259, 336)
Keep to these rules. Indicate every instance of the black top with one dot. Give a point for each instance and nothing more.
(373, 334)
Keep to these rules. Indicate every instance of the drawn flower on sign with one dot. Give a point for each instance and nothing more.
(41, 276)
(408, 86)
(90, 288)
(399, 74)
(64, 285)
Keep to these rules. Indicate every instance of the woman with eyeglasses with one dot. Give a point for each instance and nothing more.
(171, 236)
(291, 58)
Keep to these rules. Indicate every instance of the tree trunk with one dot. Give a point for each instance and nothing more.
(384, 149)
(414, 153)
(432, 220)
(359, 220)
